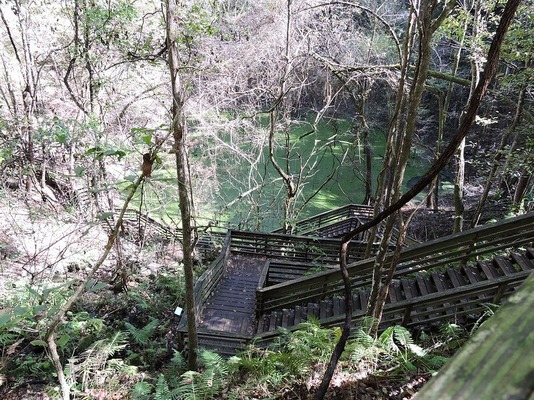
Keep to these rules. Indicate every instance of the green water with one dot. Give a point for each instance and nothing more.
(331, 146)
(339, 150)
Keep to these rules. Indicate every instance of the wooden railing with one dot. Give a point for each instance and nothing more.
(295, 248)
(278, 271)
(456, 248)
(208, 281)
(463, 300)
(206, 237)
(330, 217)
(314, 251)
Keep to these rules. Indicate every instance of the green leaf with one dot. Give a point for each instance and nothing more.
(94, 150)
(20, 310)
(39, 308)
(63, 340)
(4, 318)
(38, 342)
(105, 215)
(147, 139)
(141, 390)
(94, 286)
(79, 170)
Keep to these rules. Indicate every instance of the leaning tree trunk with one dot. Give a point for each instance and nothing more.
(179, 133)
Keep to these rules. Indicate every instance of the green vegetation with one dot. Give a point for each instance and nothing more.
(252, 115)
(129, 356)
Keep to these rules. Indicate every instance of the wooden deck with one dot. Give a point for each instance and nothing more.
(232, 306)
(420, 299)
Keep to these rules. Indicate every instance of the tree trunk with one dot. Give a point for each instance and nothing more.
(498, 156)
(179, 133)
(465, 124)
(459, 189)
(401, 146)
(495, 363)
(444, 108)
(476, 61)
(521, 189)
(50, 336)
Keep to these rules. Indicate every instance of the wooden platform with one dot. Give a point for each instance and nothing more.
(418, 299)
(232, 306)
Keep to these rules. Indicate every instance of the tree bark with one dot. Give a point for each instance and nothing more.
(495, 363)
(498, 156)
(50, 336)
(179, 128)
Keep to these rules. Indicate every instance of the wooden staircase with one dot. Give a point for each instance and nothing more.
(451, 278)
(423, 298)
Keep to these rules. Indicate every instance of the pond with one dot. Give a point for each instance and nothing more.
(329, 160)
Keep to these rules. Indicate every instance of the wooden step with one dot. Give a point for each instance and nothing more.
(523, 261)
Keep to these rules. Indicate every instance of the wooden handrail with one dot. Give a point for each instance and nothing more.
(329, 217)
(466, 297)
(440, 252)
(298, 248)
(207, 282)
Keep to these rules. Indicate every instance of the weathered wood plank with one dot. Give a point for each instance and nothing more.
(523, 262)
(495, 362)
(488, 269)
(505, 265)
(473, 274)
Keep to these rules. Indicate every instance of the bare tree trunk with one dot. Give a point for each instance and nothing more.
(179, 129)
(29, 93)
(476, 65)
(50, 336)
(401, 146)
(521, 188)
(443, 112)
(465, 124)
(459, 181)
(285, 174)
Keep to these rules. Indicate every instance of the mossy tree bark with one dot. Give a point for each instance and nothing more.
(465, 124)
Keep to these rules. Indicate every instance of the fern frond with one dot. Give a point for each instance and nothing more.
(143, 335)
(162, 389)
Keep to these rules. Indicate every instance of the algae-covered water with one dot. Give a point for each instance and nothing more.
(240, 188)
(326, 160)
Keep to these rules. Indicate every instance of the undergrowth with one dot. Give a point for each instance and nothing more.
(120, 345)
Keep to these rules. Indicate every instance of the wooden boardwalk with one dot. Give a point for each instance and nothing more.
(420, 299)
(232, 306)
(261, 282)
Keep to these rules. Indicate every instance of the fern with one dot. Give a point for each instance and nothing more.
(490, 310)
(142, 336)
(141, 391)
(395, 339)
(162, 389)
(191, 387)
(95, 360)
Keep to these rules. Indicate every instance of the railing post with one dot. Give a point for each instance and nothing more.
(406, 317)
